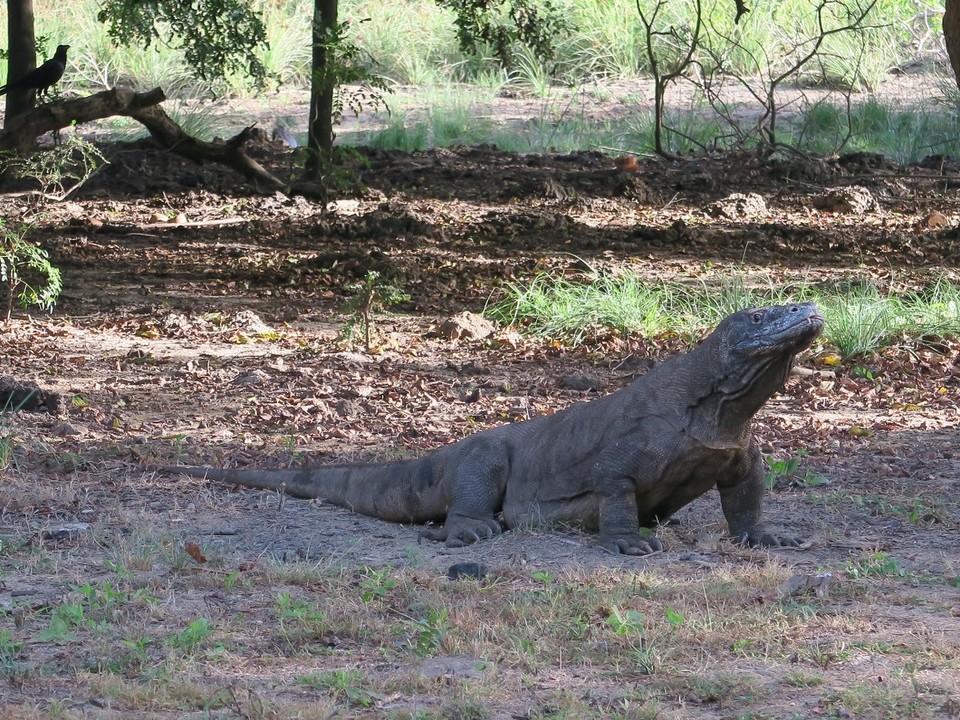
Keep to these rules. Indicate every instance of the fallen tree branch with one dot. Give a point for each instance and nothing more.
(21, 132)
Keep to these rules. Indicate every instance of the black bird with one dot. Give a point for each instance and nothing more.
(42, 77)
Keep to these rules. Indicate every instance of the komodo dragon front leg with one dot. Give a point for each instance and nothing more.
(620, 524)
(740, 498)
(623, 473)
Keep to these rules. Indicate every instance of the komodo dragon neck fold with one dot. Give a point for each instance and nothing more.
(634, 456)
(721, 418)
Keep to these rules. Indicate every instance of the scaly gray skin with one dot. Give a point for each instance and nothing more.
(629, 459)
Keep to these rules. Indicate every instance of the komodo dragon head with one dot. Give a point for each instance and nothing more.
(751, 354)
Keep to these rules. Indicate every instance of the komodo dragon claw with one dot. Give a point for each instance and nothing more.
(762, 537)
(632, 545)
(462, 531)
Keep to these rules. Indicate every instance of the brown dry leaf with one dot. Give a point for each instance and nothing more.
(194, 551)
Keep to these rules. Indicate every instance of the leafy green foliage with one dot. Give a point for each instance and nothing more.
(26, 271)
(877, 564)
(425, 635)
(501, 24)
(63, 620)
(295, 611)
(59, 170)
(342, 683)
(10, 650)
(376, 584)
(218, 37)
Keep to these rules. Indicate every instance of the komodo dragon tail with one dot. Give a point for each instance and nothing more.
(406, 491)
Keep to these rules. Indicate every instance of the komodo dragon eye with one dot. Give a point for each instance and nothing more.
(756, 317)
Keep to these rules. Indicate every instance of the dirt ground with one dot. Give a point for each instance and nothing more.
(213, 338)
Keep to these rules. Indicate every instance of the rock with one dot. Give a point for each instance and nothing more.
(852, 199)
(67, 531)
(802, 584)
(738, 205)
(249, 322)
(463, 666)
(466, 326)
(458, 571)
(582, 381)
(16, 395)
(254, 377)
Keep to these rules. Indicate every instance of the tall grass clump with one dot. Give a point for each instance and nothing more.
(703, 305)
(414, 42)
(934, 312)
(906, 134)
(572, 311)
(862, 320)
(858, 321)
(288, 56)
(859, 318)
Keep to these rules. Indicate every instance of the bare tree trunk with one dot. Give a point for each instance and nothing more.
(951, 35)
(23, 54)
(320, 135)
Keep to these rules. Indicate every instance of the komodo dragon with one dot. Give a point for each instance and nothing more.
(631, 458)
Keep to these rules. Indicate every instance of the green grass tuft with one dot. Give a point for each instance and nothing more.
(860, 320)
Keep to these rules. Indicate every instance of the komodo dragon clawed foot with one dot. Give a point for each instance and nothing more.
(460, 531)
(764, 537)
(633, 544)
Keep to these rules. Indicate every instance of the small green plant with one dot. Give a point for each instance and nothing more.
(877, 564)
(61, 170)
(136, 657)
(425, 635)
(62, 620)
(343, 684)
(376, 584)
(26, 271)
(9, 650)
(789, 470)
(368, 296)
(103, 597)
(674, 617)
(625, 622)
(190, 637)
(300, 612)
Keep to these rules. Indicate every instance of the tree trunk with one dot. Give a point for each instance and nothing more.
(951, 35)
(322, 86)
(23, 54)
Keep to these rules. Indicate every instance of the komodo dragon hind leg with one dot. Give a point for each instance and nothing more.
(477, 492)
